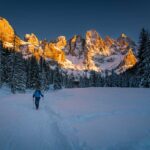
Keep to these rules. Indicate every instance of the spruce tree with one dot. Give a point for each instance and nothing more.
(57, 79)
(33, 77)
(42, 74)
(93, 78)
(145, 78)
(19, 75)
(141, 56)
(142, 44)
(0, 63)
(7, 64)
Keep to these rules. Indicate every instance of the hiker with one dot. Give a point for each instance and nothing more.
(37, 95)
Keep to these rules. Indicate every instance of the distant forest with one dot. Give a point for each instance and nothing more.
(21, 74)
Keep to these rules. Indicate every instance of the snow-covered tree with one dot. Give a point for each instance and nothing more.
(57, 83)
(0, 63)
(18, 82)
(145, 80)
(33, 73)
(142, 44)
(6, 63)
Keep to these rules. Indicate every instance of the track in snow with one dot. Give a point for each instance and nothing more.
(76, 119)
(24, 128)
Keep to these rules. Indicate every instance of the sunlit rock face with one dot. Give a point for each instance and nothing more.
(126, 43)
(128, 62)
(53, 50)
(31, 39)
(94, 53)
(109, 41)
(6, 31)
(45, 49)
(8, 36)
(94, 46)
(75, 46)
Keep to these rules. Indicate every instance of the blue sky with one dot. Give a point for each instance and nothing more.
(49, 19)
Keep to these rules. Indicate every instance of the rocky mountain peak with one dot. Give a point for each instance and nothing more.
(61, 42)
(123, 35)
(75, 46)
(6, 31)
(32, 39)
(78, 53)
(130, 59)
(124, 40)
(108, 41)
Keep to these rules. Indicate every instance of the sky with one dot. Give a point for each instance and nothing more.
(49, 19)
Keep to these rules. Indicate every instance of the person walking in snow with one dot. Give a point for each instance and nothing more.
(36, 97)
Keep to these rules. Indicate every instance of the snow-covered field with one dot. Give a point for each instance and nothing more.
(76, 119)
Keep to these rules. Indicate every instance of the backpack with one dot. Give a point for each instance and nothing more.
(37, 93)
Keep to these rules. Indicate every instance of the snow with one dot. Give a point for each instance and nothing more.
(112, 64)
(76, 119)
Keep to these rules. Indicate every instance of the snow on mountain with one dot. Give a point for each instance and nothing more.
(94, 46)
(78, 53)
(94, 53)
(128, 61)
(126, 43)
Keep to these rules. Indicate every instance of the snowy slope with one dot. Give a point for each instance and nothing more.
(74, 119)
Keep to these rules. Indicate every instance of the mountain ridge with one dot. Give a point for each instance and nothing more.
(78, 53)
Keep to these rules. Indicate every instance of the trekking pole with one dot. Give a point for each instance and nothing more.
(33, 103)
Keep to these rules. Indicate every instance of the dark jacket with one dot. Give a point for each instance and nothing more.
(37, 93)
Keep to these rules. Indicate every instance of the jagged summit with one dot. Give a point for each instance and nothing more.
(6, 31)
(78, 53)
(123, 35)
(31, 38)
(1, 18)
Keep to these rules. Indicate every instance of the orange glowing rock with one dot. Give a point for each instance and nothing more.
(130, 59)
(6, 31)
(32, 39)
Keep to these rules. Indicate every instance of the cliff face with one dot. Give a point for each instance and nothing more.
(6, 31)
(32, 39)
(7, 35)
(54, 50)
(95, 46)
(75, 46)
(78, 53)
(130, 59)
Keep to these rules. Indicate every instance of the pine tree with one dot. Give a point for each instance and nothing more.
(42, 74)
(142, 44)
(33, 76)
(6, 63)
(70, 81)
(28, 71)
(0, 63)
(145, 80)
(142, 74)
(19, 74)
(64, 79)
(142, 48)
(93, 78)
(57, 79)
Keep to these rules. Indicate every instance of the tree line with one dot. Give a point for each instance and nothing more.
(21, 74)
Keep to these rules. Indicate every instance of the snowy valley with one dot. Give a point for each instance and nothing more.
(76, 119)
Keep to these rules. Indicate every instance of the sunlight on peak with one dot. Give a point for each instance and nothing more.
(123, 35)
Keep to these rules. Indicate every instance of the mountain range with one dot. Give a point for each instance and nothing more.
(76, 54)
